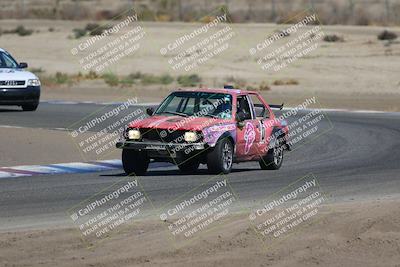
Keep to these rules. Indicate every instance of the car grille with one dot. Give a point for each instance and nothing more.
(160, 135)
(12, 83)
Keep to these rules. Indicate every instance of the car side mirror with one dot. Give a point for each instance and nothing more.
(23, 65)
(150, 111)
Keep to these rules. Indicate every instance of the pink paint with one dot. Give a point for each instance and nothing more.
(249, 137)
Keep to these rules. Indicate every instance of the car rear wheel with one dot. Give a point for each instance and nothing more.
(30, 107)
(273, 159)
(220, 159)
(189, 166)
(135, 162)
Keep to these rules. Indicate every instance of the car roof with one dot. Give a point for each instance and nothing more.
(2, 50)
(215, 90)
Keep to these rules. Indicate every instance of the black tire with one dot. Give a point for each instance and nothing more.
(30, 107)
(134, 162)
(273, 159)
(189, 166)
(220, 159)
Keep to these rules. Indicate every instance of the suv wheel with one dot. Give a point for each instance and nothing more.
(30, 107)
(220, 159)
(274, 158)
(134, 162)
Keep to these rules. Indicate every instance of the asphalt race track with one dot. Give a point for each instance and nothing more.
(358, 158)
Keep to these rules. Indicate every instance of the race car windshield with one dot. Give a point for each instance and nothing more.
(6, 61)
(199, 104)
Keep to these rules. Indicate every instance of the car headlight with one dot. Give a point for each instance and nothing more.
(190, 136)
(33, 82)
(134, 134)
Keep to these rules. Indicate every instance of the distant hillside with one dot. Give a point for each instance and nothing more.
(358, 12)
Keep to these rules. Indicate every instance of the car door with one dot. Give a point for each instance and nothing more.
(265, 120)
(248, 134)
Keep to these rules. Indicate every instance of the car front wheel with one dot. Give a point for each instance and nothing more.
(135, 162)
(30, 107)
(220, 159)
(273, 159)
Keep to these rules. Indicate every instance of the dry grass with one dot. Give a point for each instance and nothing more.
(286, 82)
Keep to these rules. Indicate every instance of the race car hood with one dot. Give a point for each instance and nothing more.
(177, 123)
(7, 74)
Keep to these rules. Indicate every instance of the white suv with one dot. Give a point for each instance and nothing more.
(17, 86)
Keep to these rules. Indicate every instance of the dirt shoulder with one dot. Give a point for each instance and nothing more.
(290, 95)
(358, 73)
(351, 234)
(32, 146)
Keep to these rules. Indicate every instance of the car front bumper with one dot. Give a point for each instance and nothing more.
(159, 145)
(164, 150)
(19, 96)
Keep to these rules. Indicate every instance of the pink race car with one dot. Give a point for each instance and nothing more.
(217, 127)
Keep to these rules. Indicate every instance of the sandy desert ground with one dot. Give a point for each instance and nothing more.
(359, 73)
(352, 233)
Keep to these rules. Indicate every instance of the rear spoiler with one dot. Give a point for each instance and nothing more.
(277, 106)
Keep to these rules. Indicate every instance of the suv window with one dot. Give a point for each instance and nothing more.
(259, 108)
(201, 104)
(7, 61)
(243, 105)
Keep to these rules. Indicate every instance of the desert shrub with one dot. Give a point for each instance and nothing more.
(51, 29)
(264, 86)
(91, 26)
(387, 35)
(332, 38)
(20, 30)
(127, 81)
(149, 79)
(166, 79)
(152, 79)
(111, 79)
(91, 75)
(61, 78)
(147, 14)
(52, 80)
(95, 29)
(136, 75)
(37, 70)
(236, 82)
(189, 80)
(207, 19)
(286, 82)
(278, 82)
(164, 17)
(190, 15)
(292, 82)
(78, 33)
